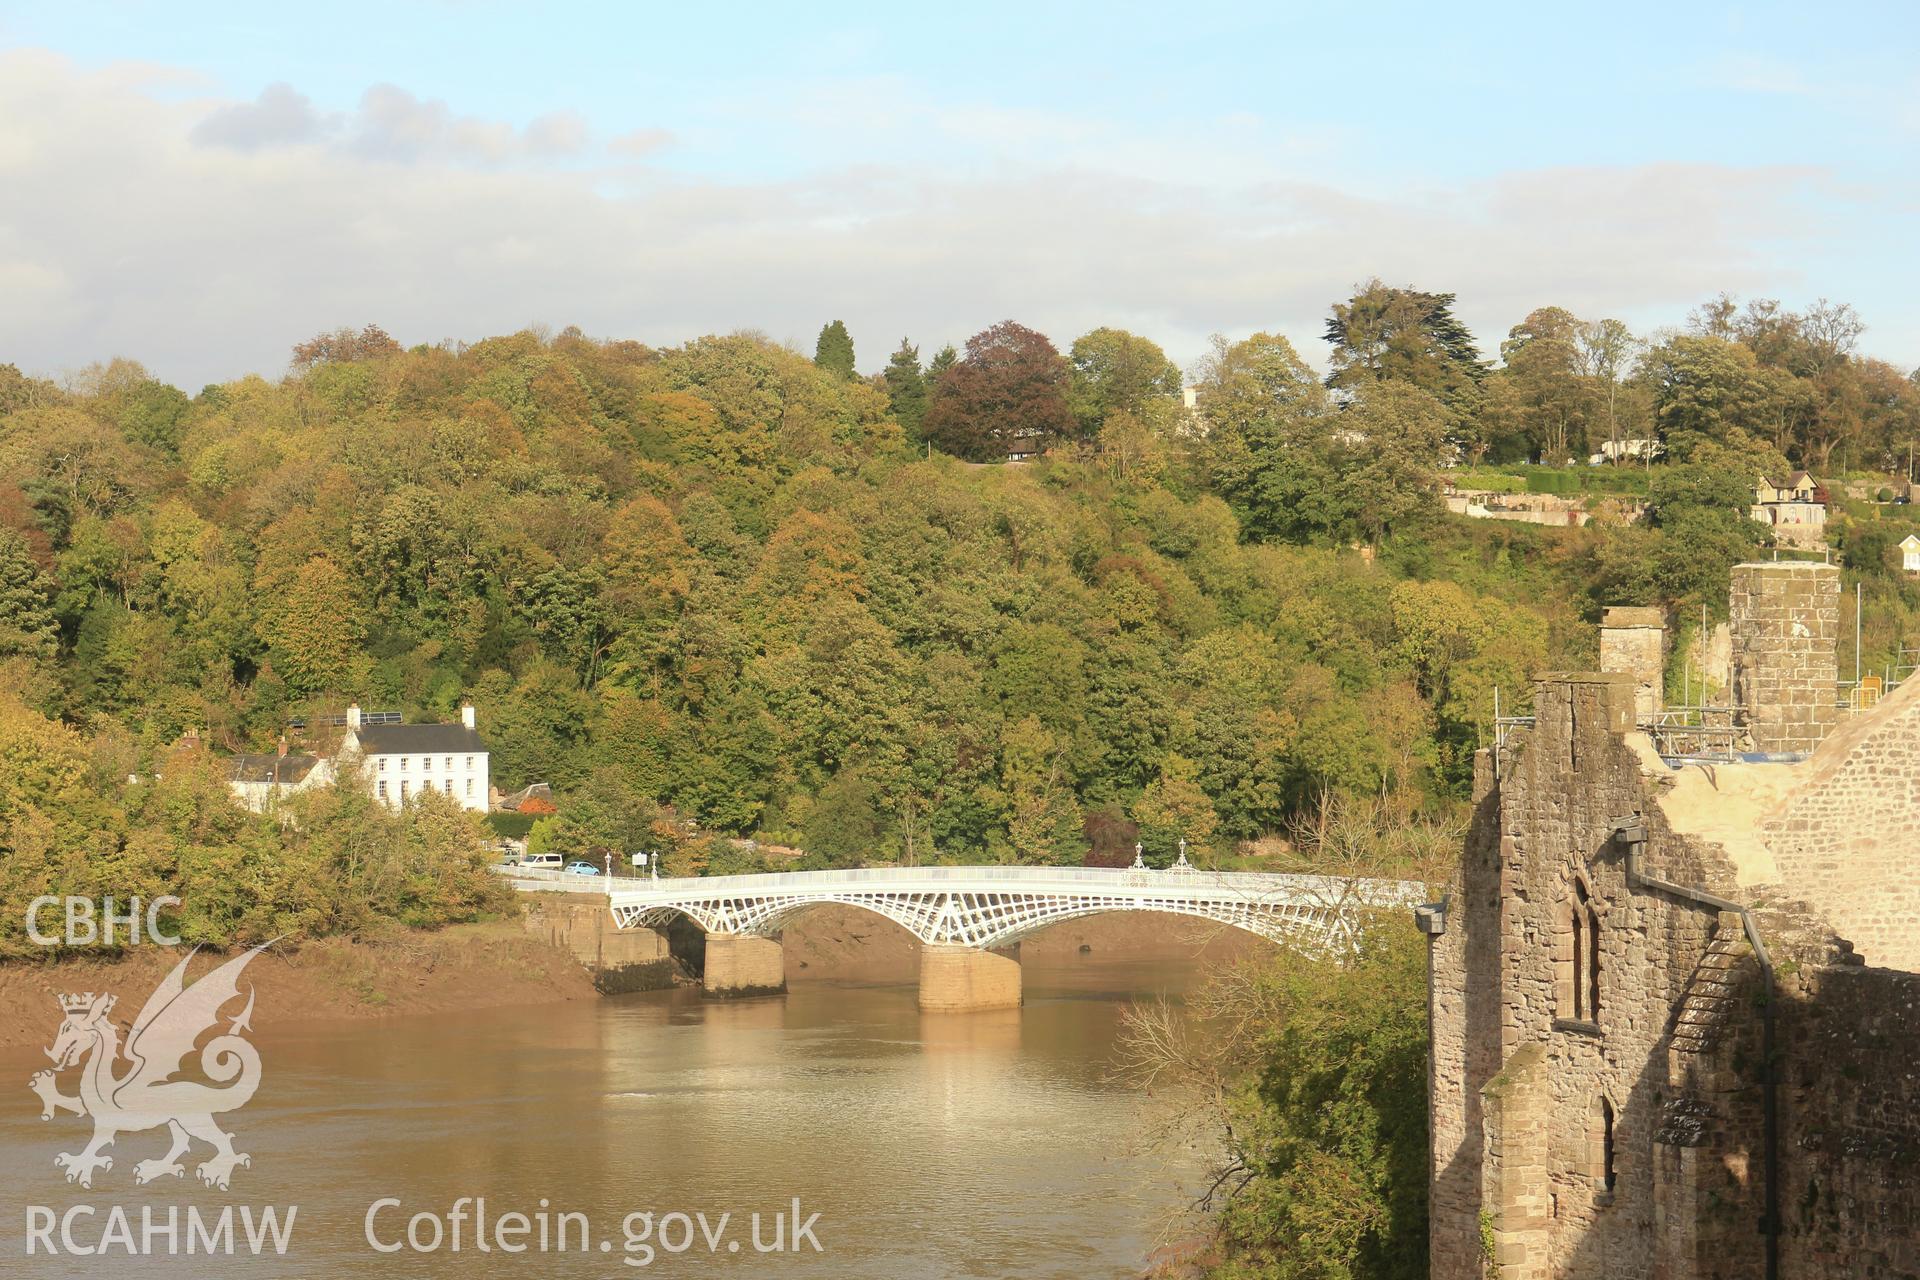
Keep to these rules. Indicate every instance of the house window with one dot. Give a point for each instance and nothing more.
(383, 791)
(469, 786)
(447, 786)
(381, 765)
(449, 764)
(403, 764)
(469, 762)
(403, 793)
(426, 764)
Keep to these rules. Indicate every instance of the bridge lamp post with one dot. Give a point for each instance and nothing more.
(1182, 864)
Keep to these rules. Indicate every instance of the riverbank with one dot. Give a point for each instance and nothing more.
(473, 966)
(510, 962)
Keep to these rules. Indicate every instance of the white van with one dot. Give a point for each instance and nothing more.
(543, 861)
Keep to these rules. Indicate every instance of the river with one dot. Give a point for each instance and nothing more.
(975, 1145)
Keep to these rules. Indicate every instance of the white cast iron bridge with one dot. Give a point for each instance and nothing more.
(992, 907)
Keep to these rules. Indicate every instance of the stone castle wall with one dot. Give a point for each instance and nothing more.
(1786, 629)
(1850, 1106)
(1502, 987)
(1846, 840)
(1628, 1140)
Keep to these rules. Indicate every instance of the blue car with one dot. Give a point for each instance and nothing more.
(582, 869)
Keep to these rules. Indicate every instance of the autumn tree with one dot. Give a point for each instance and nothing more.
(833, 350)
(1044, 821)
(1606, 354)
(1010, 385)
(344, 346)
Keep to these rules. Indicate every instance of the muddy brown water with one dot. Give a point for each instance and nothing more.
(981, 1145)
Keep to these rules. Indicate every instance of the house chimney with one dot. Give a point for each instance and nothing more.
(1786, 628)
(466, 714)
(283, 745)
(353, 716)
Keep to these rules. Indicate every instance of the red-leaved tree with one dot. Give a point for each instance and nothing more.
(1009, 388)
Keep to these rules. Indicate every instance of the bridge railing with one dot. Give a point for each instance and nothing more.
(1252, 884)
(541, 880)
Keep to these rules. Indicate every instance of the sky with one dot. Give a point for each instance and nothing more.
(199, 186)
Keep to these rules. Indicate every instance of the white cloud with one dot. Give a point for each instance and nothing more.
(278, 117)
(206, 238)
(390, 124)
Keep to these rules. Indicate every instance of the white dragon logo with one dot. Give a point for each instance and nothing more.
(146, 1095)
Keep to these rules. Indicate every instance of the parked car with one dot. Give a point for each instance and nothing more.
(582, 869)
(542, 861)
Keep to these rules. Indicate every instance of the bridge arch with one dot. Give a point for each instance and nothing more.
(989, 907)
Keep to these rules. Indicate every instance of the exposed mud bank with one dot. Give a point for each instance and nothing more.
(463, 967)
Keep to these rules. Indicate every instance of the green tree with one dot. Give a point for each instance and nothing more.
(1319, 1068)
(1044, 823)
(1606, 352)
(1540, 394)
(1114, 371)
(27, 625)
(833, 351)
(907, 388)
(943, 359)
(1704, 389)
(1385, 334)
(308, 624)
(1175, 807)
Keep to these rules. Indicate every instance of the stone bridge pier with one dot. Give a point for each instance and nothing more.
(741, 964)
(956, 979)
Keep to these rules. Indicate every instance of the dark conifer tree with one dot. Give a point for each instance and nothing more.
(834, 351)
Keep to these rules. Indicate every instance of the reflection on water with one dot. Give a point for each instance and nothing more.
(990, 1145)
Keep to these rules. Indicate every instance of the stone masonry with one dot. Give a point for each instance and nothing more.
(1786, 626)
(1634, 642)
(963, 979)
(1846, 839)
(1599, 1077)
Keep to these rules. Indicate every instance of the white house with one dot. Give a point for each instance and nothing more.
(401, 761)
(261, 781)
(1910, 553)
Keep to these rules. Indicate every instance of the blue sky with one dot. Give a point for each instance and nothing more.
(199, 185)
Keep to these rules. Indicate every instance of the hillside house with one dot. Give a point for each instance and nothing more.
(260, 781)
(1025, 446)
(401, 761)
(1796, 509)
(1910, 554)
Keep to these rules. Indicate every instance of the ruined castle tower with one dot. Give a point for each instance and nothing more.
(1786, 626)
(1634, 642)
